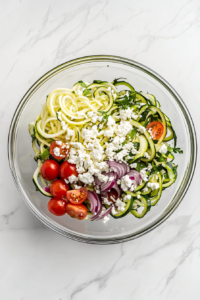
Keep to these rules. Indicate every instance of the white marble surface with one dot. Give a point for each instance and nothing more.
(36, 263)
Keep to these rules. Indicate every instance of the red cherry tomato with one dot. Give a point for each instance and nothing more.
(156, 129)
(57, 206)
(67, 169)
(112, 195)
(59, 188)
(50, 170)
(77, 211)
(62, 149)
(77, 196)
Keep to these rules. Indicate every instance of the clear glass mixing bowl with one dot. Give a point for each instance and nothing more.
(107, 68)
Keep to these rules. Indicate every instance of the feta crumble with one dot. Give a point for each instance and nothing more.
(163, 149)
(134, 165)
(72, 178)
(142, 129)
(153, 185)
(105, 219)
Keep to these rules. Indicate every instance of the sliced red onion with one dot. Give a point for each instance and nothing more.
(120, 169)
(95, 204)
(135, 175)
(127, 169)
(117, 188)
(47, 189)
(104, 214)
(97, 181)
(104, 194)
(105, 186)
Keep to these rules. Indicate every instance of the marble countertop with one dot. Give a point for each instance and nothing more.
(37, 263)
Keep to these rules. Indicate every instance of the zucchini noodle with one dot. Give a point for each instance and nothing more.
(111, 126)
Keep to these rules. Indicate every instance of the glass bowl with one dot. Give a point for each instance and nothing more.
(107, 68)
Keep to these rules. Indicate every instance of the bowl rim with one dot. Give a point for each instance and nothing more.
(86, 60)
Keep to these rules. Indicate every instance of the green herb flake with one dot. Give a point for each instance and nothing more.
(82, 83)
(175, 150)
(86, 92)
(133, 133)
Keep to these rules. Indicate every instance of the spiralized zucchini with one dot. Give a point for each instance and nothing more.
(67, 112)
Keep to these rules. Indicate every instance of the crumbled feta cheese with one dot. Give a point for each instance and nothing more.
(138, 196)
(90, 114)
(64, 127)
(94, 118)
(149, 167)
(105, 219)
(111, 178)
(97, 154)
(80, 169)
(110, 121)
(145, 190)
(146, 154)
(80, 113)
(62, 123)
(86, 178)
(100, 118)
(142, 129)
(72, 178)
(59, 143)
(77, 187)
(66, 181)
(134, 116)
(106, 201)
(113, 211)
(134, 165)
(56, 152)
(70, 132)
(109, 132)
(100, 126)
(102, 178)
(120, 205)
(143, 174)
(163, 149)
(127, 197)
(126, 183)
(79, 93)
(123, 128)
(153, 185)
(125, 114)
(90, 146)
(118, 140)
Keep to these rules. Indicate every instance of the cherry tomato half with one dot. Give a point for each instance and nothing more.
(112, 195)
(59, 188)
(67, 169)
(156, 129)
(57, 206)
(50, 169)
(77, 196)
(77, 211)
(59, 147)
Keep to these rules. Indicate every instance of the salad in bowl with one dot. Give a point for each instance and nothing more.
(103, 150)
